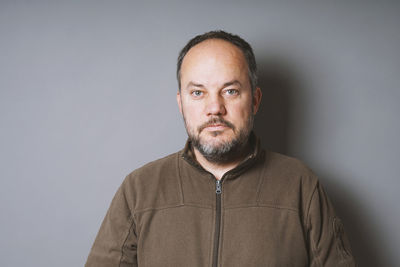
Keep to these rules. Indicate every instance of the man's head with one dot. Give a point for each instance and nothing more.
(231, 38)
(216, 95)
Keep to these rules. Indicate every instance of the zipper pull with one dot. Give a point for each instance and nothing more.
(218, 187)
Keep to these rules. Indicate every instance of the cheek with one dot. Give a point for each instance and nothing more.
(192, 116)
(241, 111)
(192, 110)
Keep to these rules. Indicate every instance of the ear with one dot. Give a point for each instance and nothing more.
(179, 101)
(257, 95)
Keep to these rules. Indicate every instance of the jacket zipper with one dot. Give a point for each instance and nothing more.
(218, 192)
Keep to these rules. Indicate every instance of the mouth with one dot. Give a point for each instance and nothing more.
(216, 124)
(216, 127)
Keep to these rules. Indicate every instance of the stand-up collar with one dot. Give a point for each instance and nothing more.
(187, 153)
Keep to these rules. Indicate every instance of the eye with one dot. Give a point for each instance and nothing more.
(196, 93)
(232, 92)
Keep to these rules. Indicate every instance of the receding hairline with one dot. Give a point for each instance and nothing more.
(233, 39)
(238, 51)
(216, 40)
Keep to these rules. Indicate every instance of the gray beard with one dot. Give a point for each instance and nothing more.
(226, 152)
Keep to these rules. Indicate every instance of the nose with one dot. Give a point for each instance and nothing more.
(216, 106)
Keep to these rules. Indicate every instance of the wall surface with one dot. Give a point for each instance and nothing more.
(87, 94)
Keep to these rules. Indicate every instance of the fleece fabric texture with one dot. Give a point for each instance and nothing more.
(272, 212)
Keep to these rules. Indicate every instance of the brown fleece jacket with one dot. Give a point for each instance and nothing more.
(268, 211)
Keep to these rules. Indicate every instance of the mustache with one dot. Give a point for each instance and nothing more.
(216, 120)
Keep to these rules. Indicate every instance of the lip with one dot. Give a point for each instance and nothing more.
(216, 127)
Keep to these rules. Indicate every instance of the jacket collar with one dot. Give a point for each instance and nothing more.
(256, 152)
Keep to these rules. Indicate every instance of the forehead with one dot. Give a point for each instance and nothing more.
(213, 60)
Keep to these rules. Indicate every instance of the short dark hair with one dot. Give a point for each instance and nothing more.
(231, 38)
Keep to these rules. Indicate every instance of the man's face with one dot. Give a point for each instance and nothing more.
(216, 99)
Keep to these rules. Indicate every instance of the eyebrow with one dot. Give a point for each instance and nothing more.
(190, 84)
(234, 82)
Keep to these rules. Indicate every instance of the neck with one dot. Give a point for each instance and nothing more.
(218, 169)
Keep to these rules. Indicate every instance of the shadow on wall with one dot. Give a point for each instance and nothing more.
(282, 91)
(272, 121)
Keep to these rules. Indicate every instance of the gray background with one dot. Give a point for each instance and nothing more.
(87, 94)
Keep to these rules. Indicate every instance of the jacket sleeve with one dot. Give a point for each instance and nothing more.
(328, 244)
(116, 241)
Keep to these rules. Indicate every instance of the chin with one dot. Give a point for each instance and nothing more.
(215, 135)
(215, 139)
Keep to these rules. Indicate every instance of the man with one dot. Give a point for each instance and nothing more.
(222, 200)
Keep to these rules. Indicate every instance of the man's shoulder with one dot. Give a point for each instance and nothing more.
(155, 184)
(286, 164)
(162, 167)
(286, 180)
(288, 171)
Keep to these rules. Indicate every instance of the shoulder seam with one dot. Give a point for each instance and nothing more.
(309, 203)
(313, 248)
(178, 166)
(261, 182)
